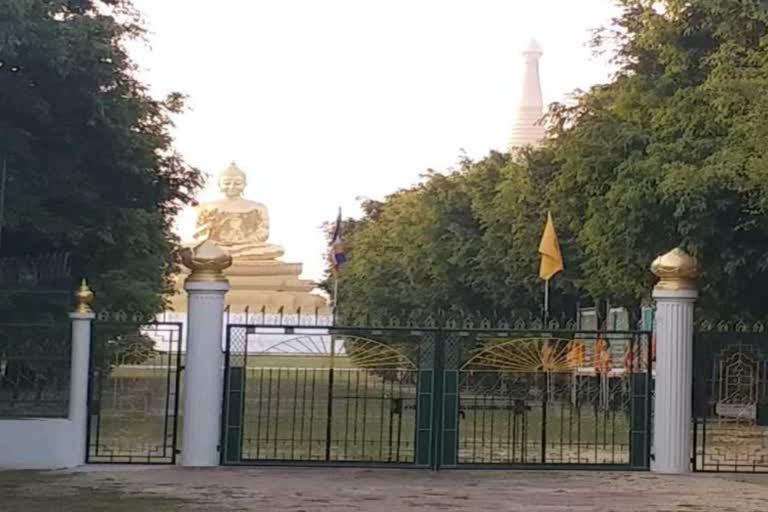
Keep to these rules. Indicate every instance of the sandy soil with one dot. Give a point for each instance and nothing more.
(171, 489)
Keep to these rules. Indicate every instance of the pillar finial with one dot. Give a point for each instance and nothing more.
(207, 262)
(676, 270)
(83, 298)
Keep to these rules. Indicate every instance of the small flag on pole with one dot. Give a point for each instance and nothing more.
(337, 255)
(549, 249)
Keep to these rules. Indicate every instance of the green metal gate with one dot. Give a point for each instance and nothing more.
(297, 394)
(436, 397)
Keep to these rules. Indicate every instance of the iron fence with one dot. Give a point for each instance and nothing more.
(730, 400)
(34, 370)
(35, 348)
(36, 271)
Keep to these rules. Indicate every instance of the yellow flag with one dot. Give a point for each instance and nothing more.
(549, 249)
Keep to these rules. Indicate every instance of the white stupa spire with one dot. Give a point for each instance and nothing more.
(528, 129)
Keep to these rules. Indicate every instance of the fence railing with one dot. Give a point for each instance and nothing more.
(34, 370)
(730, 397)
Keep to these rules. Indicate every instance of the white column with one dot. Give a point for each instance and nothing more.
(674, 380)
(78, 386)
(203, 385)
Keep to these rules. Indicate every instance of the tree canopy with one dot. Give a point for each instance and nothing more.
(670, 152)
(91, 168)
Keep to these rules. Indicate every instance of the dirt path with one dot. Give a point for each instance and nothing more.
(168, 489)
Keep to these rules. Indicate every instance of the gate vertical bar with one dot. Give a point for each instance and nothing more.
(648, 322)
(234, 393)
(177, 393)
(703, 364)
(639, 405)
(329, 408)
(544, 405)
(168, 405)
(425, 400)
(94, 410)
(437, 401)
(695, 463)
(450, 400)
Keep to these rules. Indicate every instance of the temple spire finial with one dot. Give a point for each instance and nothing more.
(528, 129)
(533, 47)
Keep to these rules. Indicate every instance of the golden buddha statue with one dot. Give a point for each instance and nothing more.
(236, 224)
(237, 228)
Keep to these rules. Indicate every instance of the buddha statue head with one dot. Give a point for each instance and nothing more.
(232, 181)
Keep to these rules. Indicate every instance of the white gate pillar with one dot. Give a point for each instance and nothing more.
(675, 295)
(207, 288)
(81, 317)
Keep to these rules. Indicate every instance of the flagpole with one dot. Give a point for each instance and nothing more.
(335, 296)
(335, 267)
(546, 300)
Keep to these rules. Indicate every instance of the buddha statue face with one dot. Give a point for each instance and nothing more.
(232, 182)
(232, 186)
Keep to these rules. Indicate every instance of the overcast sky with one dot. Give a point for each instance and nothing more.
(325, 101)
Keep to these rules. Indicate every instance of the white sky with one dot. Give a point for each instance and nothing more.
(323, 101)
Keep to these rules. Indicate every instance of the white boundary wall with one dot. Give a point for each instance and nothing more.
(54, 443)
(39, 444)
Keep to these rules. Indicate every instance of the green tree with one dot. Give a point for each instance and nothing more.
(457, 244)
(670, 152)
(403, 253)
(91, 166)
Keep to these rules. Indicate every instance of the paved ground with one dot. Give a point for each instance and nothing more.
(168, 489)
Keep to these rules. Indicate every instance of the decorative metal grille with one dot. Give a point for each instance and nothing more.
(134, 392)
(567, 399)
(731, 398)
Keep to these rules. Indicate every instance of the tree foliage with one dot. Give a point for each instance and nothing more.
(91, 166)
(456, 243)
(670, 152)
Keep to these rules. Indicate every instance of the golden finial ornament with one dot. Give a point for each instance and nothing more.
(83, 298)
(676, 270)
(206, 262)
